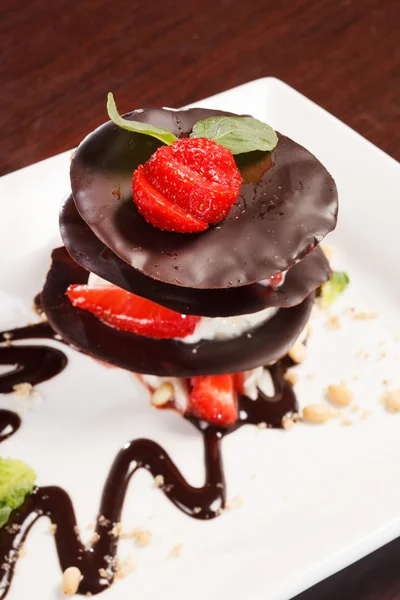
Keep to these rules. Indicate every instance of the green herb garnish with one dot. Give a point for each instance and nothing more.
(159, 133)
(238, 134)
(17, 480)
(333, 288)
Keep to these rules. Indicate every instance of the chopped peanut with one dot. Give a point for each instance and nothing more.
(317, 413)
(71, 580)
(162, 394)
(297, 352)
(340, 395)
(392, 400)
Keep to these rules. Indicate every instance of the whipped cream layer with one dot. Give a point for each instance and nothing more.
(208, 328)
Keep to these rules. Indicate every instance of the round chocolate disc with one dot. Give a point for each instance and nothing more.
(262, 345)
(285, 208)
(91, 253)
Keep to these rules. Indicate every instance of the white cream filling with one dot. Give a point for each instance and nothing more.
(225, 328)
(208, 328)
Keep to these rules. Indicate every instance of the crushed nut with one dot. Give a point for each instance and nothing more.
(22, 390)
(220, 485)
(287, 423)
(141, 536)
(124, 568)
(347, 421)
(162, 394)
(159, 481)
(236, 502)
(71, 580)
(196, 510)
(392, 400)
(365, 414)
(317, 413)
(340, 395)
(52, 528)
(355, 408)
(291, 377)
(105, 575)
(116, 530)
(176, 551)
(365, 315)
(262, 425)
(94, 539)
(333, 322)
(295, 417)
(297, 352)
(103, 521)
(22, 552)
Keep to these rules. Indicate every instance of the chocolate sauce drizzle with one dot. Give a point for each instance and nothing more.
(29, 364)
(10, 422)
(38, 363)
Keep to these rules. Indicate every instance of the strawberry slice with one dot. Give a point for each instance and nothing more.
(276, 280)
(195, 176)
(239, 379)
(159, 211)
(213, 398)
(129, 312)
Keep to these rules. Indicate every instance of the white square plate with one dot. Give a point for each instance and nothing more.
(316, 498)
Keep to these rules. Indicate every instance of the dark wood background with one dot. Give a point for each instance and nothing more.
(59, 58)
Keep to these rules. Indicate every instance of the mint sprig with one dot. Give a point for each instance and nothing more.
(17, 480)
(165, 136)
(332, 289)
(238, 134)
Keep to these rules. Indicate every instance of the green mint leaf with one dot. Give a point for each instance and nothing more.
(333, 288)
(17, 480)
(159, 133)
(238, 134)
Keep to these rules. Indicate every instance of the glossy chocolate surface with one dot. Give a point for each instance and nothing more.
(274, 223)
(92, 254)
(264, 344)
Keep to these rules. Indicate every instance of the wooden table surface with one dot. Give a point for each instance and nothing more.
(60, 58)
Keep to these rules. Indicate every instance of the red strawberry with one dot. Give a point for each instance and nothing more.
(159, 211)
(195, 175)
(213, 398)
(239, 379)
(275, 280)
(129, 312)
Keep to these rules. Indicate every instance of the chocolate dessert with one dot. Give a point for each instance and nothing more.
(191, 258)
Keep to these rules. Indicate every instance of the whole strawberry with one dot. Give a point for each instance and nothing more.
(186, 186)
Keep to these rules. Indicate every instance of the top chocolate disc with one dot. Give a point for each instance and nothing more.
(288, 205)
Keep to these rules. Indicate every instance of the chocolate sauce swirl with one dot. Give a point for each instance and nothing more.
(55, 503)
(10, 422)
(38, 363)
(29, 364)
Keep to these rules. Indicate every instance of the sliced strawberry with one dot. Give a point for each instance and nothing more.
(239, 379)
(213, 398)
(276, 280)
(129, 312)
(159, 211)
(197, 175)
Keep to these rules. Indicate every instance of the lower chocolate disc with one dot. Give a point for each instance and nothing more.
(86, 249)
(264, 344)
